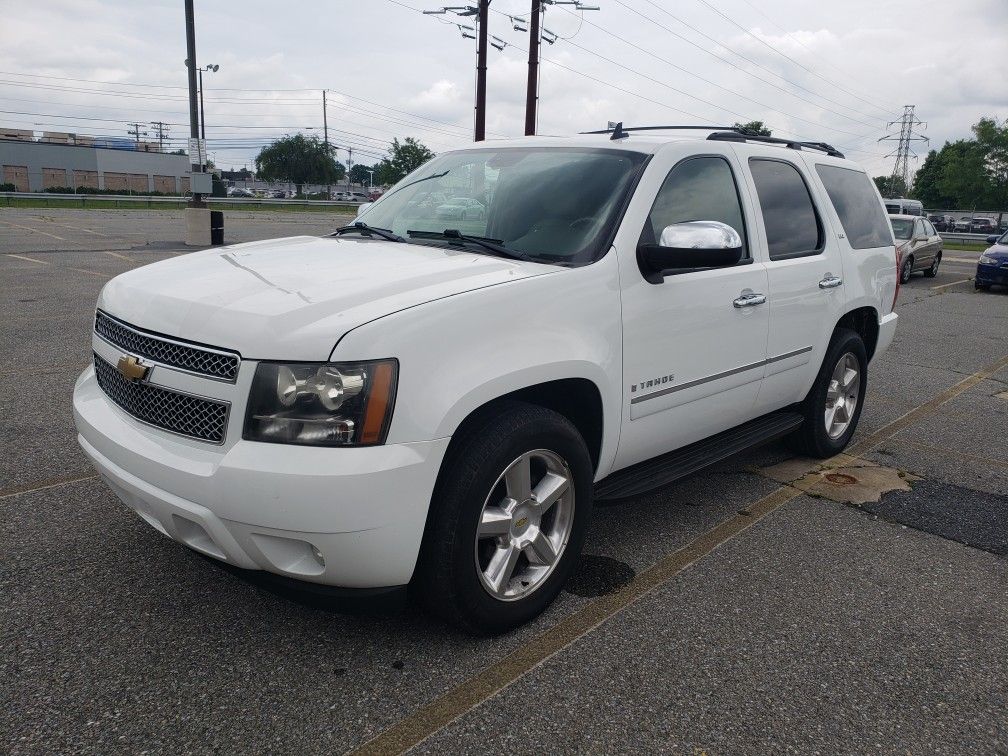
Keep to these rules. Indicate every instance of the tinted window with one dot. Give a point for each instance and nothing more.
(792, 225)
(696, 189)
(854, 197)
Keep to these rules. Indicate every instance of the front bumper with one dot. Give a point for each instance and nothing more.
(347, 517)
(992, 274)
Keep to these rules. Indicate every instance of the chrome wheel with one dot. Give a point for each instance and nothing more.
(525, 525)
(842, 395)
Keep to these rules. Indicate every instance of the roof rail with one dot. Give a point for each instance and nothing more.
(725, 134)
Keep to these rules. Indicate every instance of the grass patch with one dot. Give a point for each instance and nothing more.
(960, 247)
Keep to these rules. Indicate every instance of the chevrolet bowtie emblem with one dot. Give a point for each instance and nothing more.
(131, 368)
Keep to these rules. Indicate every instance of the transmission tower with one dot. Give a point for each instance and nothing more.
(909, 125)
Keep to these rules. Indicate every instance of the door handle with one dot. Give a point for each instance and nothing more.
(749, 299)
(830, 282)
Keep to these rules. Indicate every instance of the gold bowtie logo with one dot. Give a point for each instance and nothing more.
(131, 368)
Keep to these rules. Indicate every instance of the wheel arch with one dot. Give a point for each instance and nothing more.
(865, 322)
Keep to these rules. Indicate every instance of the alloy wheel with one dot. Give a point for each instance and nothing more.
(525, 524)
(842, 395)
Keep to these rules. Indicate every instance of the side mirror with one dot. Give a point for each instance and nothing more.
(992, 239)
(362, 207)
(693, 244)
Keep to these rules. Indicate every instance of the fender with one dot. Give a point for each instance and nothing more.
(457, 354)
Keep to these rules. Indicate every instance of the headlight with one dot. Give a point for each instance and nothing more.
(321, 404)
(985, 260)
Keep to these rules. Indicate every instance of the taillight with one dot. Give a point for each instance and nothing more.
(898, 261)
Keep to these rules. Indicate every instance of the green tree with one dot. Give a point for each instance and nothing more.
(963, 176)
(300, 160)
(890, 187)
(992, 138)
(926, 183)
(404, 157)
(754, 127)
(359, 173)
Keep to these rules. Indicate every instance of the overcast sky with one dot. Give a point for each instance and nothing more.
(834, 72)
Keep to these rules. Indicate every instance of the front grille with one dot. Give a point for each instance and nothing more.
(195, 359)
(185, 414)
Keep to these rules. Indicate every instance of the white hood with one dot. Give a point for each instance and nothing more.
(292, 299)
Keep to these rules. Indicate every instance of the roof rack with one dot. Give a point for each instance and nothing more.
(724, 134)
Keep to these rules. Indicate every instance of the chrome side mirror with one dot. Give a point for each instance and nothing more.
(690, 245)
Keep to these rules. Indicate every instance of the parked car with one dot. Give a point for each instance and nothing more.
(239, 191)
(919, 245)
(278, 194)
(963, 224)
(982, 225)
(992, 268)
(374, 195)
(461, 208)
(400, 405)
(941, 222)
(360, 197)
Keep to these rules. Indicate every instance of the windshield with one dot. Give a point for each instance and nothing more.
(550, 204)
(902, 228)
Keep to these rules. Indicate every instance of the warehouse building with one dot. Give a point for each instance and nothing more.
(67, 160)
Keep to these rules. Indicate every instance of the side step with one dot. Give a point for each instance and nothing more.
(668, 468)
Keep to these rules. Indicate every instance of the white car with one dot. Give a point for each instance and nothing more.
(403, 405)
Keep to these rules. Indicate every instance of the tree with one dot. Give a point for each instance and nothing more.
(404, 157)
(754, 127)
(890, 187)
(359, 173)
(926, 187)
(992, 138)
(963, 177)
(300, 160)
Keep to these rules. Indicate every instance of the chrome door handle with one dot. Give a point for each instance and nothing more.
(749, 299)
(830, 282)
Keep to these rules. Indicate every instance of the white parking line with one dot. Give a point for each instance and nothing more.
(29, 228)
(29, 259)
(945, 286)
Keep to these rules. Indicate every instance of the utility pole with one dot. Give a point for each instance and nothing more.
(194, 160)
(532, 93)
(481, 68)
(136, 132)
(162, 132)
(325, 139)
(908, 124)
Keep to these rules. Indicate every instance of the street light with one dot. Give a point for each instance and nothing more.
(212, 69)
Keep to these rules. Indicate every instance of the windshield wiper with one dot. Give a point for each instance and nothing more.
(365, 230)
(453, 234)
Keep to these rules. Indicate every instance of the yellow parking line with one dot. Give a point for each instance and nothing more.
(29, 228)
(29, 259)
(945, 286)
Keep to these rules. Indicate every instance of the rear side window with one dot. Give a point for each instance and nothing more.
(856, 202)
(792, 225)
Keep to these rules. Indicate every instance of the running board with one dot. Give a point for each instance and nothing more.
(668, 468)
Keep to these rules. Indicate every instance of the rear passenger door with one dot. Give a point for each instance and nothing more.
(805, 275)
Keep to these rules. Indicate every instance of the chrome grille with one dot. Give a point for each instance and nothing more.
(185, 414)
(195, 359)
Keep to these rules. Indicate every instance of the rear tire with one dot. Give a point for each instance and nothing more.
(933, 270)
(907, 270)
(490, 562)
(833, 405)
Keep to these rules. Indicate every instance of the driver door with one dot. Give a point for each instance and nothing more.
(694, 344)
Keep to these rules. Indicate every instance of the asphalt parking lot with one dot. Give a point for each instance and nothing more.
(767, 605)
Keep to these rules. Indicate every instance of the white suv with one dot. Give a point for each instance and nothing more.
(408, 404)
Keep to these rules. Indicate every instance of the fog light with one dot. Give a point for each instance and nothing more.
(318, 555)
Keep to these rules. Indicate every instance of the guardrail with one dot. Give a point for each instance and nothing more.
(142, 200)
(963, 238)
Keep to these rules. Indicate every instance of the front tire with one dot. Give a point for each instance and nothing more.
(508, 519)
(833, 405)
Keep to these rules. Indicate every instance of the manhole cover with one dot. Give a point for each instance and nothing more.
(841, 479)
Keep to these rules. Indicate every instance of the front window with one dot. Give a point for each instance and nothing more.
(549, 204)
(902, 227)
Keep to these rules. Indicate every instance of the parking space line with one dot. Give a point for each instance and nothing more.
(121, 257)
(945, 286)
(89, 272)
(442, 711)
(29, 259)
(29, 228)
(52, 483)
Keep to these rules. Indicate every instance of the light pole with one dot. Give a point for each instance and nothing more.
(370, 181)
(213, 69)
